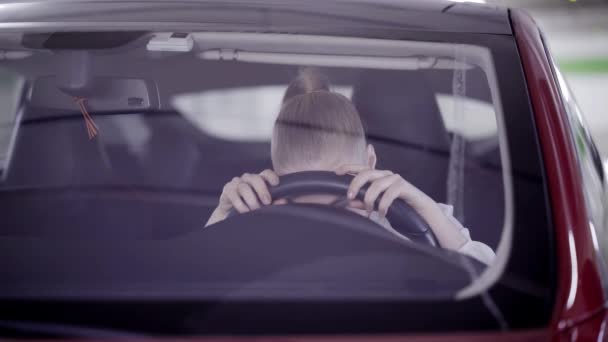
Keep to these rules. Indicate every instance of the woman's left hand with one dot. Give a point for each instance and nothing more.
(386, 186)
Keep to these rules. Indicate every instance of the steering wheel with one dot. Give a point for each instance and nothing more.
(403, 218)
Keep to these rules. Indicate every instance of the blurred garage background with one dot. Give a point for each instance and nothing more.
(577, 34)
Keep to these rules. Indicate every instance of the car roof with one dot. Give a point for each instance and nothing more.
(310, 16)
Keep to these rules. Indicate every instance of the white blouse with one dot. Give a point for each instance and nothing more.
(474, 249)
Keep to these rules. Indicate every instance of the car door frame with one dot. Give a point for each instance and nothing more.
(579, 297)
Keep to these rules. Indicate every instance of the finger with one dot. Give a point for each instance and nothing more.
(376, 188)
(248, 195)
(363, 178)
(270, 176)
(351, 168)
(231, 185)
(237, 202)
(356, 204)
(260, 187)
(388, 198)
(280, 201)
(229, 188)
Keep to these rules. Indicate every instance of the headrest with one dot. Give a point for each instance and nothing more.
(402, 106)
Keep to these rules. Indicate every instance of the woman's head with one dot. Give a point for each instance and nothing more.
(317, 129)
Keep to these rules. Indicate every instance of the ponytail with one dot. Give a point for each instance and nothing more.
(308, 80)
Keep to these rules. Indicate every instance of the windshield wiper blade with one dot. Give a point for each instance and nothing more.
(36, 329)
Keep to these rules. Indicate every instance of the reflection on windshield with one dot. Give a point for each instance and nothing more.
(240, 114)
(174, 152)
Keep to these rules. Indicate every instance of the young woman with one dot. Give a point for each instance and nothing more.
(318, 129)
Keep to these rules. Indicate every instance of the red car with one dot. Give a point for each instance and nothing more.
(123, 121)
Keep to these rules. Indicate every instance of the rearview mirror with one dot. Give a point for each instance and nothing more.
(104, 95)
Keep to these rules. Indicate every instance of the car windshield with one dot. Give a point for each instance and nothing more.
(116, 149)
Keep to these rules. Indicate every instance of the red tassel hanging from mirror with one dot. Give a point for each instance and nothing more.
(92, 128)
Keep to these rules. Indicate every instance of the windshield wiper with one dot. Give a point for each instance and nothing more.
(10, 328)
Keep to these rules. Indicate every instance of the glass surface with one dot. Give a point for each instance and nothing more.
(121, 154)
(101, 124)
(11, 85)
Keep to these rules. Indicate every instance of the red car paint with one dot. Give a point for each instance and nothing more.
(579, 296)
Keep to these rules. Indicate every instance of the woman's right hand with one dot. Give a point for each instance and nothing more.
(244, 194)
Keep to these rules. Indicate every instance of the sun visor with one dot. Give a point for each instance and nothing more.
(103, 94)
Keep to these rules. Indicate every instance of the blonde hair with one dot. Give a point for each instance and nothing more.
(316, 129)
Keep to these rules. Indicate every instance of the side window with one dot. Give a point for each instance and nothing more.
(11, 86)
(479, 116)
(592, 173)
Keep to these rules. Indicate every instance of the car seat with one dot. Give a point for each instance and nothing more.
(402, 121)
